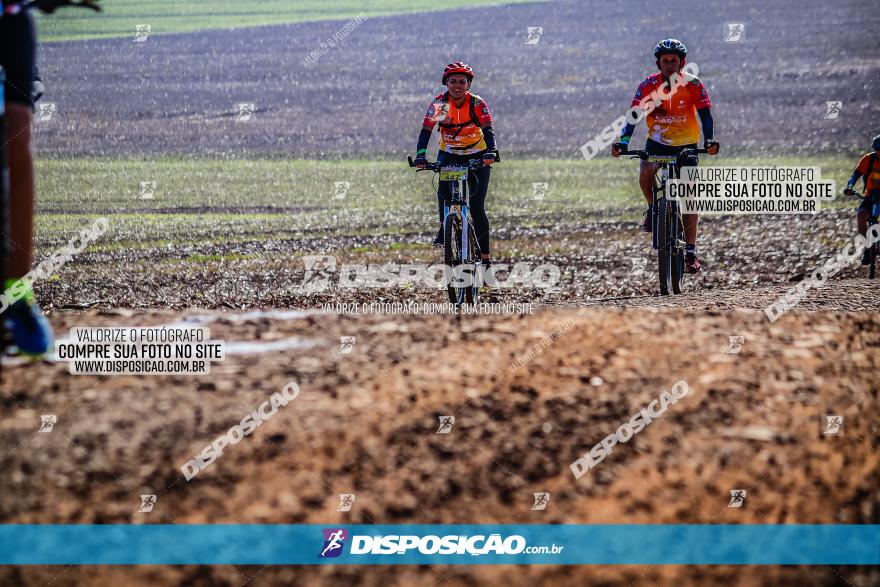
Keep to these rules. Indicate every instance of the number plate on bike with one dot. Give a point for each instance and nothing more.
(453, 173)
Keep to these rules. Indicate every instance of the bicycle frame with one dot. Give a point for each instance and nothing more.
(665, 172)
(458, 203)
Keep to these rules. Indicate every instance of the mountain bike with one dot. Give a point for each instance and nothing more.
(667, 227)
(874, 249)
(461, 250)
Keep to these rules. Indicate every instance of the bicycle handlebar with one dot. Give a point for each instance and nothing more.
(644, 155)
(852, 192)
(434, 166)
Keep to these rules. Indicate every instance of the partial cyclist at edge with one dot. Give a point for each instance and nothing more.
(867, 169)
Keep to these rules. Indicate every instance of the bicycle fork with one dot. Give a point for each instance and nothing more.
(458, 205)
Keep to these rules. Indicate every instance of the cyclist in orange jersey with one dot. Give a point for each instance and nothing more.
(868, 170)
(466, 133)
(673, 125)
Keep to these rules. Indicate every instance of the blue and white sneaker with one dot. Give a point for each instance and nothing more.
(31, 332)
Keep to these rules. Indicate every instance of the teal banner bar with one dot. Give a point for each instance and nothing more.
(414, 544)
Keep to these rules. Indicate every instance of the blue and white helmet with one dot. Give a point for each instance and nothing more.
(875, 144)
(667, 46)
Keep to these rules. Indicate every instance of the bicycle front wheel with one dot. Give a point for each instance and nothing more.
(452, 257)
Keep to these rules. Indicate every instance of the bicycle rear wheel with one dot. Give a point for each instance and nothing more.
(676, 263)
(664, 250)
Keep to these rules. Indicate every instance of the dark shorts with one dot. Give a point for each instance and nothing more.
(869, 200)
(18, 51)
(661, 150)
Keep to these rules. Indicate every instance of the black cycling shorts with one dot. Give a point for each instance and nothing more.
(18, 52)
(661, 150)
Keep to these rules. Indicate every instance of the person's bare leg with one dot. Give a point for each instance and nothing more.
(690, 228)
(647, 171)
(21, 188)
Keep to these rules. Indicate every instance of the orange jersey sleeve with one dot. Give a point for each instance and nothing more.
(872, 180)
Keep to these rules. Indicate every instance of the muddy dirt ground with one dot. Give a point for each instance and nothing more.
(365, 423)
(597, 256)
